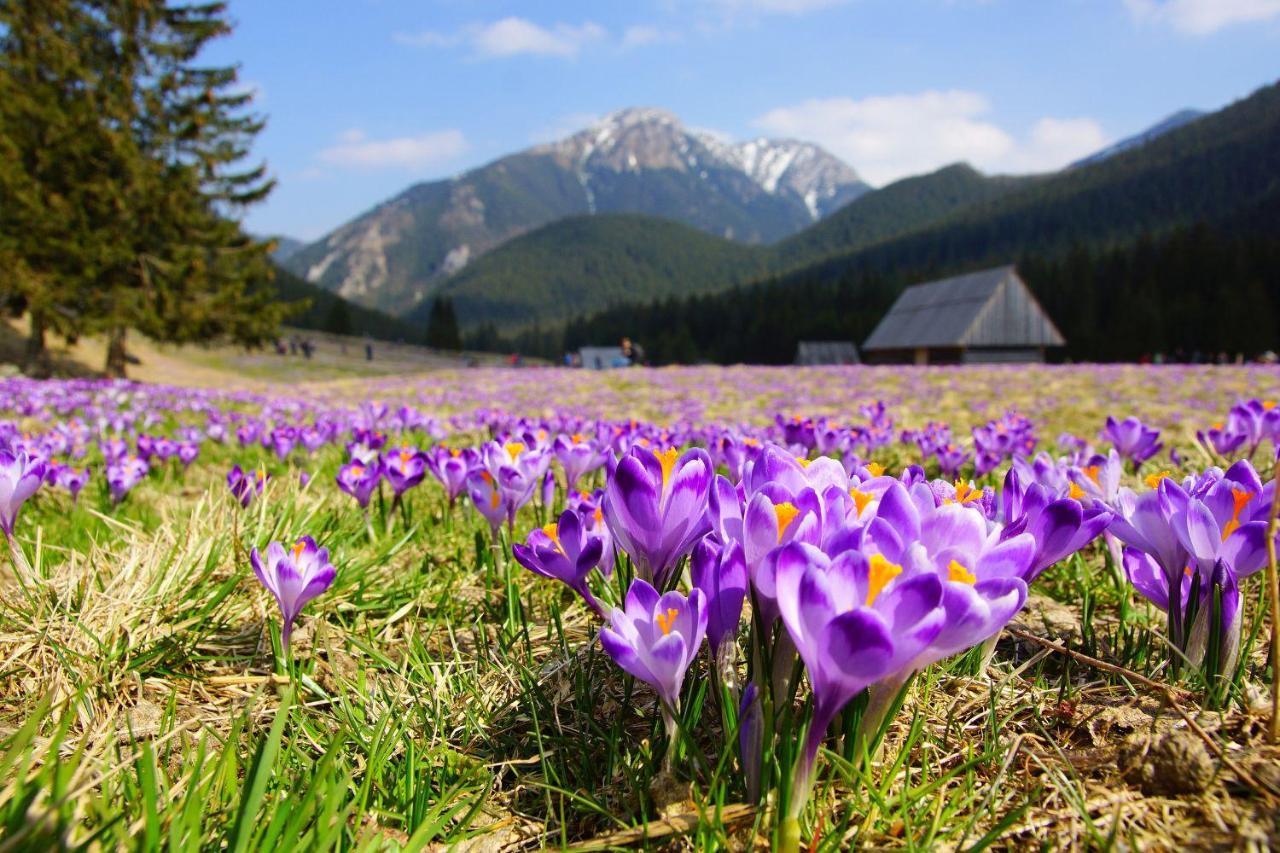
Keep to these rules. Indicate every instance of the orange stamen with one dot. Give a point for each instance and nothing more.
(960, 574)
(667, 620)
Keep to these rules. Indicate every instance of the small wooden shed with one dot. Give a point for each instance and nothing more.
(826, 352)
(980, 317)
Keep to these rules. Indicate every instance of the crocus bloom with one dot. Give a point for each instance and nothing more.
(246, 485)
(123, 475)
(721, 574)
(294, 577)
(20, 477)
(656, 507)
(72, 480)
(450, 466)
(563, 551)
(359, 479)
(578, 455)
(1133, 439)
(656, 637)
(404, 469)
(1060, 526)
(482, 488)
(853, 622)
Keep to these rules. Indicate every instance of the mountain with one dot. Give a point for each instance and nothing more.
(1157, 130)
(1171, 243)
(582, 264)
(286, 247)
(633, 161)
(588, 263)
(324, 311)
(898, 208)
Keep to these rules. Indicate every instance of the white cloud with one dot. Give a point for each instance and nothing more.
(641, 35)
(1202, 17)
(515, 36)
(511, 37)
(355, 149)
(892, 136)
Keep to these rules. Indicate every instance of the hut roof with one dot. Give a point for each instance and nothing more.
(991, 308)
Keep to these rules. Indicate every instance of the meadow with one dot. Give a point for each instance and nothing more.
(932, 654)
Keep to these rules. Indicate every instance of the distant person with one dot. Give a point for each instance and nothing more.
(306, 348)
(368, 352)
(293, 345)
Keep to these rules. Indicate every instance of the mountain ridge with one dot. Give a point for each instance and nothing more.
(639, 160)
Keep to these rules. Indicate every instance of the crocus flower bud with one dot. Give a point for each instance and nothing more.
(294, 577)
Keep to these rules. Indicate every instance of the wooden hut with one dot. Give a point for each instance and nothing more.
(987, 316)
(826, 352)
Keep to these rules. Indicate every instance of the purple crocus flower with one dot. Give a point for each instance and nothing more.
(294, 577)
(450, 466)
(187, 453)
(1060, 526)
(485, 496)
(563, 551)
(245, 486)
(853, 621)
(656, 507)
(656, 637)
(404, 469)
(1133, 439)
(578, 455)
(20, 477)
(359, 479)
(72, 480)
(721, 574)
(123, 475)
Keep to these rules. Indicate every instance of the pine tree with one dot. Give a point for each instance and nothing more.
(121, 185)
(442, 326)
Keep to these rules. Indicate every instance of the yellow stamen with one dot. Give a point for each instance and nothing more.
(1153, 480)
(576, 438)
(882, 571)
(298, 548)
(455, 452)
(1092, 473)
(1218, 425)
(514, 449)
(875, 469)
(486, 476)
(1268, 404)
(494, 501)
(667, 620)
(1075, 492)
(599, 515)
(751, 442)
(261, 474)
(356, 470)
(861, 499)
(786, 513)
(965, 493)
(553, 533)
(958, 573)
(804, 463)
(667, 459)
(405, 456)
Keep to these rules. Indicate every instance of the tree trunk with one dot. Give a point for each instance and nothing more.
(116, 362)
(35, 360)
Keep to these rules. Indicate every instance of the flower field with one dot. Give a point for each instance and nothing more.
(774, 608)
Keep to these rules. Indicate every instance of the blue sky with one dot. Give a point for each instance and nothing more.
(365, 97)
